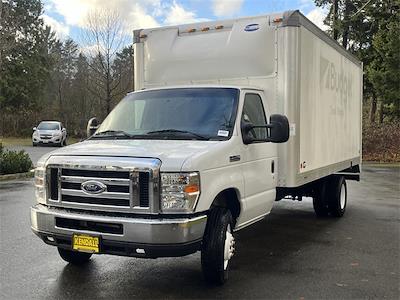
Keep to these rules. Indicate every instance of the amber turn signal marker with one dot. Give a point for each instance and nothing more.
(191, 189)
(219, 27)
(143, 36)
(192, 30)
(205, 29)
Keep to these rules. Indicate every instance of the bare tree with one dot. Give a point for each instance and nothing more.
(104, 35)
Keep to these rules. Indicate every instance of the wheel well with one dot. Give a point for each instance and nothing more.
(229, 198)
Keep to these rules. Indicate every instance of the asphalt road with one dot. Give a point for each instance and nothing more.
(289, 255)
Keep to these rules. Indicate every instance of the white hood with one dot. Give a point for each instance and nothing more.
(172, 153)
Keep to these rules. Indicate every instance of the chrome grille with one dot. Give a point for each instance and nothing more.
(127, 184)
(128, 187)
(118, 187)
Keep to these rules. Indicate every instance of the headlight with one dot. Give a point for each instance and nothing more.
(40, 187)
(179, 191)
(35, 133)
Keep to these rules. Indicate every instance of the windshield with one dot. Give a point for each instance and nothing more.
(48, 126)
(190, 113)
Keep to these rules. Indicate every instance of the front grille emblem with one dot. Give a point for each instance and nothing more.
(93, 187)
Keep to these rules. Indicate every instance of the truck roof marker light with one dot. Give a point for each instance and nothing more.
(191, 30)
(277, 20)
(219, 27)
(205, 29)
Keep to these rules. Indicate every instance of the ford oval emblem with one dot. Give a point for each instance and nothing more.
(252, 27)
(93, 187)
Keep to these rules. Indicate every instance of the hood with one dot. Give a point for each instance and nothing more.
(172, 153)
(41, 131)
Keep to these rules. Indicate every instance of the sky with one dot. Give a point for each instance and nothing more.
(67, 17)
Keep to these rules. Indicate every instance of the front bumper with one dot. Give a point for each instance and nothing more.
(121, 234)
(52, 140)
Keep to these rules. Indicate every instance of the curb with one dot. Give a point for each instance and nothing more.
(6, 177)
(380, 164)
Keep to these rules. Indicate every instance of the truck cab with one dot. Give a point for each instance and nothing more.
(145, 183)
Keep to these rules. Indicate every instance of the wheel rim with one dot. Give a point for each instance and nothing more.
(229, 246)
(342, 197)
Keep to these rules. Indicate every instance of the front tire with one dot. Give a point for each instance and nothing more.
(218, 246)
(73, 257)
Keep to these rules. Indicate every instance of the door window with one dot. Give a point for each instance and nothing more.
(253, 112)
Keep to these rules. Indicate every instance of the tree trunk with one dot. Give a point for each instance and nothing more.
(335, 18)
(372, 112)
(346, 24)
(60, 101)
(380, 112)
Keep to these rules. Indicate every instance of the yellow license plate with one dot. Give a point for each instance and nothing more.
(86, 243)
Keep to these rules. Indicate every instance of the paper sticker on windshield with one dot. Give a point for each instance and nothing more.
(224, 133)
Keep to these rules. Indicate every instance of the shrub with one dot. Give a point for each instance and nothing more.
(381, 142)
(14, 162)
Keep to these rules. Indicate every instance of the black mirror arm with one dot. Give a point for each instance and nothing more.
(263, 126)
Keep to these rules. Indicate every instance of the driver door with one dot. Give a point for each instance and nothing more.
(260, 159)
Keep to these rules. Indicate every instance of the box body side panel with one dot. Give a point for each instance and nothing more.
(320, 91)
(329, 105)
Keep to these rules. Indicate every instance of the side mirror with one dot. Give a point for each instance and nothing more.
(34, 128)
(279, 129)
(92, 126)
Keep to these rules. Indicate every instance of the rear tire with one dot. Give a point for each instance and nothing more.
(337, 196)
(319, 200)
(218, 246)
(73, 257)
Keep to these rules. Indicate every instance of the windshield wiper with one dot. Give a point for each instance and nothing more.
(172, 131)
(112, 133)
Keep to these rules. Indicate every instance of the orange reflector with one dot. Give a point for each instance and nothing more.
(192, 30)
(219, 27)
(191, 189)
(205, 29)
(277, 20)
(143, 36)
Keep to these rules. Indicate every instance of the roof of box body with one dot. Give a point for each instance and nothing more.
(289, 18)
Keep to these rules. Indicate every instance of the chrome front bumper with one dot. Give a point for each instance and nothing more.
(138, 236)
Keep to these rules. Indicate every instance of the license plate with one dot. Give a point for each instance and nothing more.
(45, 141)
(86, 243)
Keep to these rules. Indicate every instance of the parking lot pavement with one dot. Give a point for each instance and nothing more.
(34, 152)
(289, 255)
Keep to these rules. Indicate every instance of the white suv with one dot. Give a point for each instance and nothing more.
(49, 132)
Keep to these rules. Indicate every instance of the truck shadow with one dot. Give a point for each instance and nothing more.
(269, 248)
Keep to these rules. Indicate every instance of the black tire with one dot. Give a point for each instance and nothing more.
(213, 247)
(336, 196)
(65, 142)
(319, 200)
(34, 144)
(74, 257)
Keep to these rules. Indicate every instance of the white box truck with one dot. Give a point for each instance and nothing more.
(227, 117)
